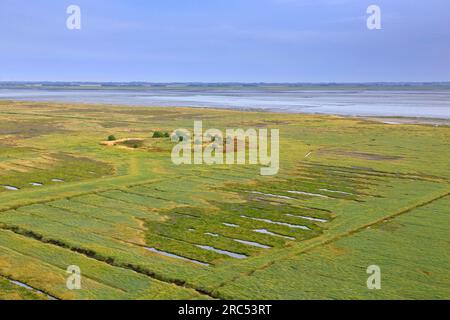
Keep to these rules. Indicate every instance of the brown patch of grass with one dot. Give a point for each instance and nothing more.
(129, 143)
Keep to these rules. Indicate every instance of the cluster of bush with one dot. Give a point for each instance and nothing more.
(160, 134)
(156, 134)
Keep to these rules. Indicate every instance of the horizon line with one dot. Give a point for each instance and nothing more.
(222, 83)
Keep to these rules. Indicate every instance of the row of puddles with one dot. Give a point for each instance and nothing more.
(264, 231)
(204, 247)
(34, 184)
(216, 250)
(297, 216)
(249, 243)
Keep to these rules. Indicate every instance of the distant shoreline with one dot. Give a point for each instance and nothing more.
(390, 120)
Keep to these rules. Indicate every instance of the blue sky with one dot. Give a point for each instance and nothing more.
(225, 41)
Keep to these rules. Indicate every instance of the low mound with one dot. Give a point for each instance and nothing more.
(131, 143)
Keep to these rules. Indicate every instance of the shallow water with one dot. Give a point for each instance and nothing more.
(433, 103)
(308, 194)
(307, 218)
(23, 285)
(211, 234)
(11, 188)
(335, 191)
(265, 231)
(224, 252)
(232, 225)
(294, 226)
(253, 244)
(36, 184)
(272, 195)
(171, 255)
(249, 243)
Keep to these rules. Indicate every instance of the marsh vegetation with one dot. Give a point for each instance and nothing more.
(349, 193)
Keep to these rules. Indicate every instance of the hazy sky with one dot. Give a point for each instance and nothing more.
(225, 40)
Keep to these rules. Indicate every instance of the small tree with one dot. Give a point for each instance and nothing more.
(112, 138)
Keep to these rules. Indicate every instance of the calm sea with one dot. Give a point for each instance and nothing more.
(406, 103)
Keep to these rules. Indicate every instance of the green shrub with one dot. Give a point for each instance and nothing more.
(112, 138)
(160, 134)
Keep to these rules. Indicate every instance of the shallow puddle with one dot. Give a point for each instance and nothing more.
(36, 184)
(265, 231)
(306, 218)
(272, 195)
(11, 188)
(307, 194)
(230, 225)
(57, 180)
(171, 255)
(23, 285)
(211, 234)
(295, 226)
(249, 243)
(224, 252)
(253, 244)
(335, 191)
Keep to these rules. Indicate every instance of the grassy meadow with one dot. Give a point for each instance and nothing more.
(350, 193)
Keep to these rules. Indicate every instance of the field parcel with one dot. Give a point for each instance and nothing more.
(350, 193)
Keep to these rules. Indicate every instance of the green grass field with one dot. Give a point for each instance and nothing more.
(350, 193)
